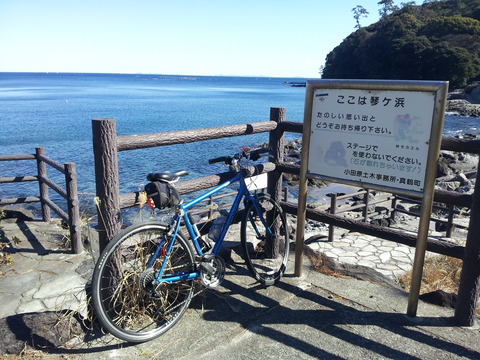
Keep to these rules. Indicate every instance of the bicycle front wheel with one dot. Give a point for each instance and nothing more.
(126, 301)
(265, 240)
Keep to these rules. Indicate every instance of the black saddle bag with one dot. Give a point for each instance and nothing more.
(163, 194)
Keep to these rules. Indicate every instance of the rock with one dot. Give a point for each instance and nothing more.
(383, 222)
(359, 200)
(15, 214)
(473, 94)
(440, 298)
(470, 93)
(448, 185)
(326, 265)
(315, 205)
(463, 108)
(450, 162)
(416, 209)
(37, 330)
(316, 183)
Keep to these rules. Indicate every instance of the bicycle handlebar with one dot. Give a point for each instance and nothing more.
(246, 153)
(224, 159)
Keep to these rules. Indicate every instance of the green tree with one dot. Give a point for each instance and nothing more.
(438, 40)
(387, 7)
(446, 62)
(358, 12)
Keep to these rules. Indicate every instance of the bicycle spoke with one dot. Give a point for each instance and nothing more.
(265, 240)
(127, 301)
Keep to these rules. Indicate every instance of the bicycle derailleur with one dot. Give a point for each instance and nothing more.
(212, 270)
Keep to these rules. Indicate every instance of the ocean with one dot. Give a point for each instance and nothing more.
(54, 110)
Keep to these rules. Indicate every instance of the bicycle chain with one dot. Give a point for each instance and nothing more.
(183, 302)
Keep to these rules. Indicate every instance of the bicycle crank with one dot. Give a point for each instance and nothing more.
(212, 271)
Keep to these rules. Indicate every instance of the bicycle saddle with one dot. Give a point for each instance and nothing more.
(166, 176)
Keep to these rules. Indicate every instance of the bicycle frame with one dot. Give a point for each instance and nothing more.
(181, 214)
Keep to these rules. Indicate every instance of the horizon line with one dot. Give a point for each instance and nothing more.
(150, 74)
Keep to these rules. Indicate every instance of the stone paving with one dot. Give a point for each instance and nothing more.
(44, 275)
(386, 257)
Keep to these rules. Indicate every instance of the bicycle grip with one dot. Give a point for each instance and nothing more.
(223, 159)
(256, 154)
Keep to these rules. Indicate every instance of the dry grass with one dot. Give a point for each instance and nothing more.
(36, 355)
(439, 273)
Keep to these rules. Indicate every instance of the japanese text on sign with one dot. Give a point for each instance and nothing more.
(376, 137)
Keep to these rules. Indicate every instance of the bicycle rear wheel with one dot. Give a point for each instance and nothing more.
(265, 242)
(125, 300)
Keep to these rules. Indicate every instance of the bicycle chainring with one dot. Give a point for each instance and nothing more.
(212, 271)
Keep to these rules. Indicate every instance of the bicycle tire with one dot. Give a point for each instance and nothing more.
(266, 263)
(122, 291)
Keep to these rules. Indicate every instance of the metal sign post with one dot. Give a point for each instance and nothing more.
(375, 134)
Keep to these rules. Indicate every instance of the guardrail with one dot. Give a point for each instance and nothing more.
(107, 144)
(70, 194)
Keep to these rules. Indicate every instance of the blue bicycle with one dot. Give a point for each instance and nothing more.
(147, 275)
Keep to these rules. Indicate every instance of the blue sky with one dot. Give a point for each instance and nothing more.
(284, 38)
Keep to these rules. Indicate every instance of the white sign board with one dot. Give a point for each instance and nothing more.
(257, 182)
(376, 137)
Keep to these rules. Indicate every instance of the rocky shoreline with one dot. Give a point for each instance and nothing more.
(456, 171)
(463, 108)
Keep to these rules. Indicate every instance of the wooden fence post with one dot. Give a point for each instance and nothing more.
(42, 173)
(276, 141)
(366, 201)
(468, 292)
(451, 214)
(277, 145)
(106, 178)
(333, 208)
(73, 205)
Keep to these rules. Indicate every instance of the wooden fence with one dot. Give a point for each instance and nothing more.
(389, 208)
(107, 144)
(70, 194)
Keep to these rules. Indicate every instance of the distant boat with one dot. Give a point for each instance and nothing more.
(296, 84)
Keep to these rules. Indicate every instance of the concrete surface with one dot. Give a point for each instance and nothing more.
(312, 317)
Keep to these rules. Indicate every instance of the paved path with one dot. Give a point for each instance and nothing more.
(40, 259)
(315, 316)
(44, 275)
(388, 258)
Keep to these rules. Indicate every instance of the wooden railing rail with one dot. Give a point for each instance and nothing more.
(106, 145)
(70, 194)
(362, 205)
(133, 142)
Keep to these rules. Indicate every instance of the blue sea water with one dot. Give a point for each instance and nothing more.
(55, 111)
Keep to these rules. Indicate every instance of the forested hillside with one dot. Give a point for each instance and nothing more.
(439, 40)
